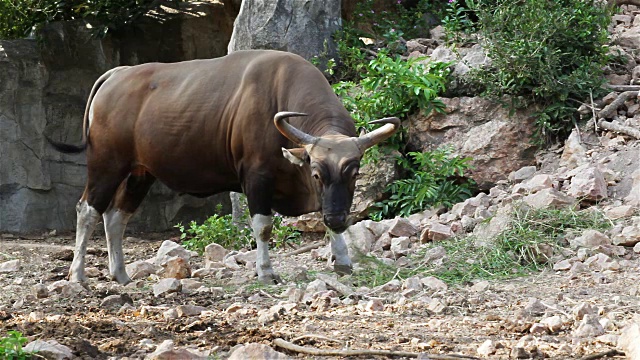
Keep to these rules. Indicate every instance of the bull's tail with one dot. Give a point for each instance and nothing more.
(74, 149)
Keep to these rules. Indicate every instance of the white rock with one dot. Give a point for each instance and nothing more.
(589, 184)
(628, 340)
(413, 283)
(487, 348)
(435, 256)
(165, 286)
(141, 269)
(402, 227)
(522, 174)
(553, 323)
(590, 238)
(549, 199)
(189, 310)
(620, 212)
(66, 288)
(166, 351)
(374, 305)
(589, 327)
(433, 283)
(170, 249)
(256, 351)
(359, 238)
(633, 198)
(630, 236)
(400, 245)
(574, 154)
(313, 288)
(436, 306)
(214, 253)
(49, 349)
(582, 309)
(10, 266)
(480, 286)
(392, 286)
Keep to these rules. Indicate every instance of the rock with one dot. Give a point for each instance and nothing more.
(589, 327)
(49, 349)
(116, 301)
(333, 283)
(549, 198)
(434, 283)
(190, 285)
(522, 174)
(480, 286)
(169, 249)
(588, 184)
(40, 291)
(518, 352)
(582, 309)
(562, 265)
(312, 289)
(10, 266)
(487, 348)
(247, 257)
(590, 239)
(266, 317)
(66, 288)
(189, 310)
(359, 239)
(535, 307)
(553, 323)
(392, 286)
(630, 236)
(633, 199)
(437, 232)
(538, 329)
(166, 351)
(176, 268)
(436, 306)
(413, 283)
(535, 184)
(214, 253)
(402, 227)
(435, 256)
(374, 305)
(574, 154)
(400, 245)
(165, 286)
(141, 269)
(485, 232)
(628, 340)
(372, 183)
(256, 351)
(496, 140)
(620, 212)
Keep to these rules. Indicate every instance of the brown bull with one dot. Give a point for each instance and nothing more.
(207, 126)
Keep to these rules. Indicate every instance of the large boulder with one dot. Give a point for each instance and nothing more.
(497, 140)
(301, 27)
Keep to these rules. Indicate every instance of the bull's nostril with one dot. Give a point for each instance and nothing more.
(334, 219)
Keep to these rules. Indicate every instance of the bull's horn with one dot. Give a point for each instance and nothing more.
(392, 124)
(292, 133)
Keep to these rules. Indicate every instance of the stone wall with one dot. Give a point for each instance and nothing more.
(44, 85)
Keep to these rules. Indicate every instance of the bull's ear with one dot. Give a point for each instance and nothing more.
(296, 156)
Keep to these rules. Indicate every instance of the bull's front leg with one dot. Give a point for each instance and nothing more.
(342, 264)
(262, 226)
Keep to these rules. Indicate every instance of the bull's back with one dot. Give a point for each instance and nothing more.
(188, 123)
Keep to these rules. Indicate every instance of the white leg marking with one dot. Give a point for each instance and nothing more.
(262, 225)
(87, 219)
(115, 222)
(339, 250)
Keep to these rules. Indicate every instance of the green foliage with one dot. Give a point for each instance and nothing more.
(18, 18)
(11, 346)
(548, 52)
(391, 86)
(455, 21)
(220, 229)
(434, 178)
(519, 249)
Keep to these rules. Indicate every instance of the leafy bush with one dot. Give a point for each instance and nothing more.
(519, 249)
(221, 229)
(11, 346)
(434, 178)
(546, 52)
(17, 18)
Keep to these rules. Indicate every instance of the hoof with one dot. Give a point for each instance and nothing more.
(121, 279)
(81, 279)
(343, 269)
(270, 279)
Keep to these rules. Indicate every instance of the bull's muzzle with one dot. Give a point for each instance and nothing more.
(336, 222)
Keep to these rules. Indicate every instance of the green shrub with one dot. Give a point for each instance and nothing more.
(221, 229)
(17, 18)
(11, 346)
(546, 52)
(433, 178)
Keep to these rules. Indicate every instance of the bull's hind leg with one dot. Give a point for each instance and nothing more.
(88, 217)
(128, 197)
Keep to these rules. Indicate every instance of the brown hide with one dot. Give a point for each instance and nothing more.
(206, 126)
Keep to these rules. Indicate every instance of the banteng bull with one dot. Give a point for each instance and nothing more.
(207, 126)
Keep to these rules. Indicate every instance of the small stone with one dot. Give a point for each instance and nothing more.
(435, 256)
(413, 283)
(589, 327)
(588, 184)
(176, 268)
(313, 288)
(214, 253)
(40, 291)
(170, 314)
(256, 351)
(190, 285)
(402, 227)
(202, 273)
(92, 272)
(535, 307)
(487, 348)
(522, 174)
(116, 301)
(480, 286)
(518, 352)
(392, 286)
(374, 305)
(141, 269)
(636, 248)
(438, 231)
(49, 349)
(10, 266)
(620, 212)
(549, 199)
(166, 351)
(630, 236)
(165, 286)
(66, 288)
(170, 249)
(436, 306)
(608, 339)
(538, 329)
(553, 323)
(582, 309)
(189, 310)
(590, 238)
(400, 245)
(433, 283)
(628, 340)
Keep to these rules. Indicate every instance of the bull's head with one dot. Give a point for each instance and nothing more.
(334, 161)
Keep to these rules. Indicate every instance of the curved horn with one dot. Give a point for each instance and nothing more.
(292, 133)
(392, 124)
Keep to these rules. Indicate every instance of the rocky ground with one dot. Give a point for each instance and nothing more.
(190, 306)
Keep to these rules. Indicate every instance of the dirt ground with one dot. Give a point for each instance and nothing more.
(472, 315)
